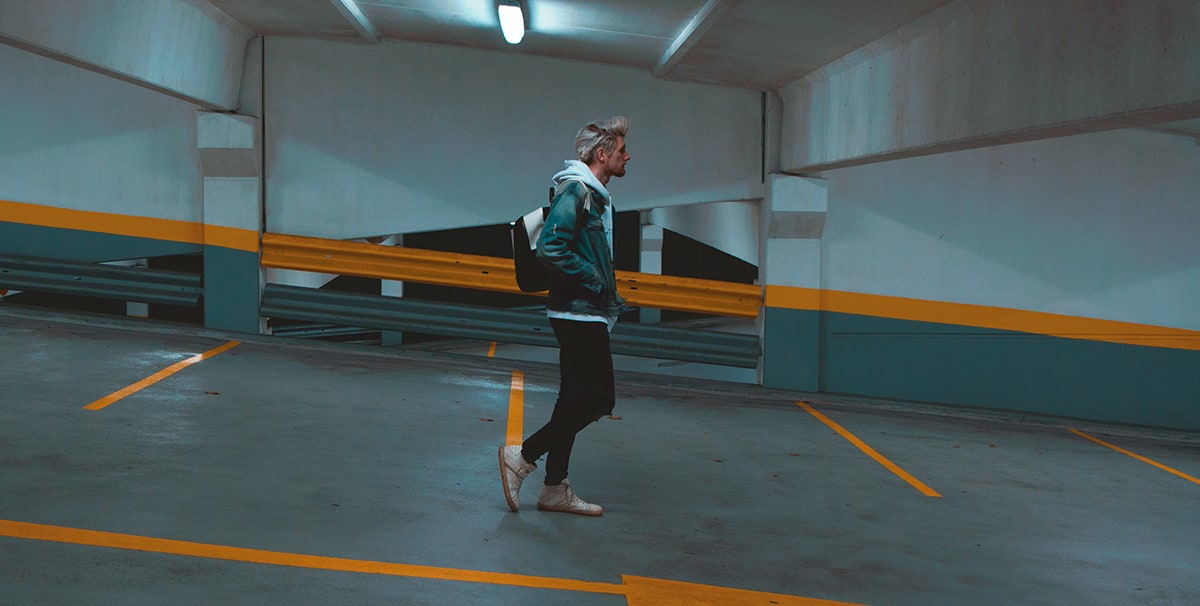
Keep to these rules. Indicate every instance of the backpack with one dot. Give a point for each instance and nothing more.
(532, 275)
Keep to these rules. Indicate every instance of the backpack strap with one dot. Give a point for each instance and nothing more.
(580, 218)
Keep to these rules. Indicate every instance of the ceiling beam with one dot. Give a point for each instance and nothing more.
(692, 34)
(350, 10)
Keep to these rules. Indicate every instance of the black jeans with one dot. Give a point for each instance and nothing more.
(585, 393)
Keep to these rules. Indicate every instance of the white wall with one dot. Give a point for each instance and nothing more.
(1100, 225)
(182, 47)
(406, 137)
(71, 138)
(982, 72)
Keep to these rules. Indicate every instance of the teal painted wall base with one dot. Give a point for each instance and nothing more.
(790, 345)
(83, 246)
(981, 368)
(1012, 371)
(231, 289)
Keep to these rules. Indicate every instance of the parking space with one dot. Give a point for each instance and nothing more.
(278, 471)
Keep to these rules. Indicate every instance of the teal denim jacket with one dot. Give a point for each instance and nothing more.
(580, 259)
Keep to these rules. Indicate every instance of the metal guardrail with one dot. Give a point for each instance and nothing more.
(495, 273)
(506, 325)
(100, 281)
(690, 294)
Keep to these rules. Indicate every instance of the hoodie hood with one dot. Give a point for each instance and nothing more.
(574, 169)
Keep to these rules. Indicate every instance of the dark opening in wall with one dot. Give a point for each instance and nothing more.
(627, 247)
(682, 256)
(190, 264)
(67, 302)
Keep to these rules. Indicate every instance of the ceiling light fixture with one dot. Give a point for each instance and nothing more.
(512, 20)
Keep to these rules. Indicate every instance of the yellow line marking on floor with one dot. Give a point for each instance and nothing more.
(492, 350)
(516, 410)
(158, 376)
(638, 591)
(871, 452)
(1135, 455)
(644, 591)
(61, 534)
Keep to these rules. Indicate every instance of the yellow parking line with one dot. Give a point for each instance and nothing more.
(871, 452)
(516, 410)
(492, 350)
(158, 376)
(638, 591)
(1136, 456)
(62, 534)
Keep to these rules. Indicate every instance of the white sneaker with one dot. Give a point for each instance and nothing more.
(562, 498)
(513, 470)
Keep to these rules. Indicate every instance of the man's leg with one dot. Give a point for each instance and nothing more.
(586, 394)
(571, 412)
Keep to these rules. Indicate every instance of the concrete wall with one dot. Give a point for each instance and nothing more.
(184, 48)
(80, 140)
(77, 140)
(405, 137)
(985, 72)
(1057, 276)
(1097, 226)
(991, 238)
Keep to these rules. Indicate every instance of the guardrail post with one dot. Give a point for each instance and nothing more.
(133, 309)
(651, 263)
(391, 288)
(790, 323)
(232, 221)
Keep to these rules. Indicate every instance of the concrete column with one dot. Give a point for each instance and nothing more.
(651, 263)
(790, 269)
(232, 221)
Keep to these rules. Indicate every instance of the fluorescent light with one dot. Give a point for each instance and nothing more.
(512, 22)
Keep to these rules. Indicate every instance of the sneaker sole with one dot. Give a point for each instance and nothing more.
(504, 482)
(593, 514)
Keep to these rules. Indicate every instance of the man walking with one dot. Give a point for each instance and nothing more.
(583, 306)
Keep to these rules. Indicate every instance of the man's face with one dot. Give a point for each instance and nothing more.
(614, 163)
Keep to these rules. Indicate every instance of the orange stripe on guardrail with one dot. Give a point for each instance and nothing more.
(481, 272)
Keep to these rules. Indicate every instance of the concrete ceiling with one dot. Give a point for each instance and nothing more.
(753, 44)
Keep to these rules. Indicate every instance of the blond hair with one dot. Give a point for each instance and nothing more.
(600, 134)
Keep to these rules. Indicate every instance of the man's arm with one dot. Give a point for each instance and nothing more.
(560, 231)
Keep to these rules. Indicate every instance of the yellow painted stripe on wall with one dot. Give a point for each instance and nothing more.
(128, 225)
(792, 297)
(981, 316)
(231, 237)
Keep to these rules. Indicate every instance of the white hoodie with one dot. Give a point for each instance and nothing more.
(575, 169)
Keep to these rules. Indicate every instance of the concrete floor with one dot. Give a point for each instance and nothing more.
(287, 472)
